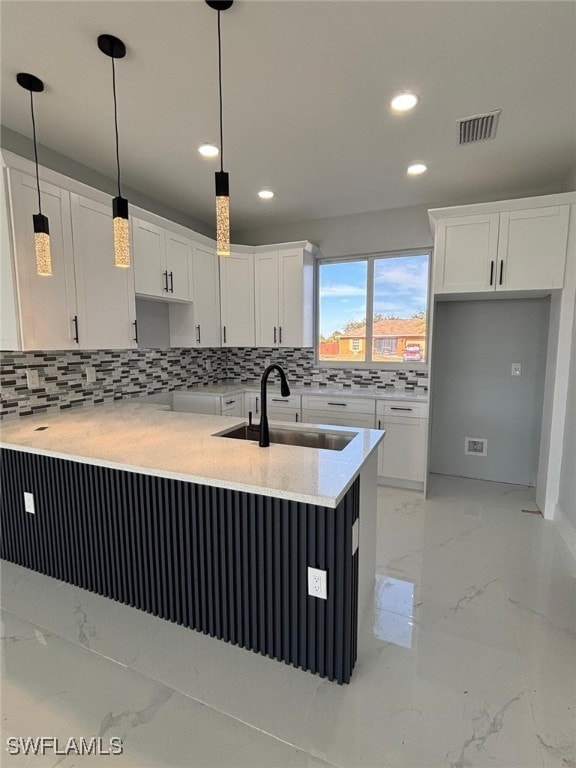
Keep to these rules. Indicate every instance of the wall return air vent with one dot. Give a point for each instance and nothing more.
(477, 128)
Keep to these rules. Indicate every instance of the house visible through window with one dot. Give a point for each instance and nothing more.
(373, 309)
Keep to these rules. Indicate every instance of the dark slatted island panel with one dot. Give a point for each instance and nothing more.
(230, 564)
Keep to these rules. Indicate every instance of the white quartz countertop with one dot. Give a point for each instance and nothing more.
(375, 394)
(152, 440)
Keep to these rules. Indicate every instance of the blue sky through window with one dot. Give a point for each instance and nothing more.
(400, 289)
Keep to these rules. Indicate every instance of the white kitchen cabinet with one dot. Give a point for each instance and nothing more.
(9, 323)
(402, 453)
(105, 293)
(237, 299)
(532, 248)
(344, 411)
(197, 324)
(279, 408)
(508, 246)
(162, 262)
(284, 298)
(47, 304)
(217, 405)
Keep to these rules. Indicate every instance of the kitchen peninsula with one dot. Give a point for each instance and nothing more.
(156, 510)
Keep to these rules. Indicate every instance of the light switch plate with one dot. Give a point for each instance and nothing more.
(90, 374)
(516, 369)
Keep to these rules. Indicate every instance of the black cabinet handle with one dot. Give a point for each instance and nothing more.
(296, 416)
(491, 272)
(230, 402)
(501, 272)
(198, 334)
(397, 408)
(257, 401)
(224, 334)
(342, 404)
(280, 335)
(277, 400)
(165, 274)
(171, 282)
(379, 427)
(76, 336)
(135, 324)
(274, 334)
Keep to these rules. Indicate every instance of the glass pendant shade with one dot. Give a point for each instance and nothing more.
(222, 214)
(42, 245)
(121, 232)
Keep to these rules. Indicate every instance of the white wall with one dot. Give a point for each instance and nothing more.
(393, 230)
(475, 395)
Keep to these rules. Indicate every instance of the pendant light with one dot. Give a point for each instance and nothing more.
(222, 180)
(114, 48)
(41, 230)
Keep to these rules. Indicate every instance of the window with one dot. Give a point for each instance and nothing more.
(373, 309)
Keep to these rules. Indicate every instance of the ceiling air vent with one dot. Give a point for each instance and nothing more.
(477, 127)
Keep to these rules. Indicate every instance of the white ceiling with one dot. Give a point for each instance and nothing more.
(306, 92)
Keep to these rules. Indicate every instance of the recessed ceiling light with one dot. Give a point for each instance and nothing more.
(416, 169)
(208, 150)
(266, 194)
(404, 101)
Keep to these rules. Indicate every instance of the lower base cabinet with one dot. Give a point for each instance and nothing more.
(402, 454)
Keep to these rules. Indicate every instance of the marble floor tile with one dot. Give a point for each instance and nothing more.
(466, 661)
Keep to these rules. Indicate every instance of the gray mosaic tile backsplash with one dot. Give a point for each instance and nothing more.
(128, 373)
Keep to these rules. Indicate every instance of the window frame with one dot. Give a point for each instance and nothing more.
(371, 258)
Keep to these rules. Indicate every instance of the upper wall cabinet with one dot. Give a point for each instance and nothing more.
(87, 303)
(198, 324)
(162, 262)
(516, 245)
(47, 304)
(105, 293)
(284, 298)
(237, 299)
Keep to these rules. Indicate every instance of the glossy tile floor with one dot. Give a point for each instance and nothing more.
(468, 661)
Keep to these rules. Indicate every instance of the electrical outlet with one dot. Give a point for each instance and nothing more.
(267, 362)
(90, 374)
(475, 446)
(29, 503)
(318, 583)
(32, 378)
(208, 365)
(516, 369)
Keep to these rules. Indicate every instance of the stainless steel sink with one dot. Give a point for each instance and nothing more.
(332, 441)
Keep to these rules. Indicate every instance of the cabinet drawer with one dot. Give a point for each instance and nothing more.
(336, 404)
(283, 414)
(186, 403)
(277, 401)
(346, 419)
(407, 408)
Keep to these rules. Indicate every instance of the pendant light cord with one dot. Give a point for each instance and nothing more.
(116, 124)
(35, 151)
(220, 89)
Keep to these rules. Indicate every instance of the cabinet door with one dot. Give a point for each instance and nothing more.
(206, 281)
(150, 278)
(401, 453)
(266, 299)
(283, 414)
(532, 248)
(233, 405)
(466, 253)
(252, 403)
(237, 299)
(47, 304)
(9, 326)
(104, 292)
(178, 264)
(364, 420)
(291, 274)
